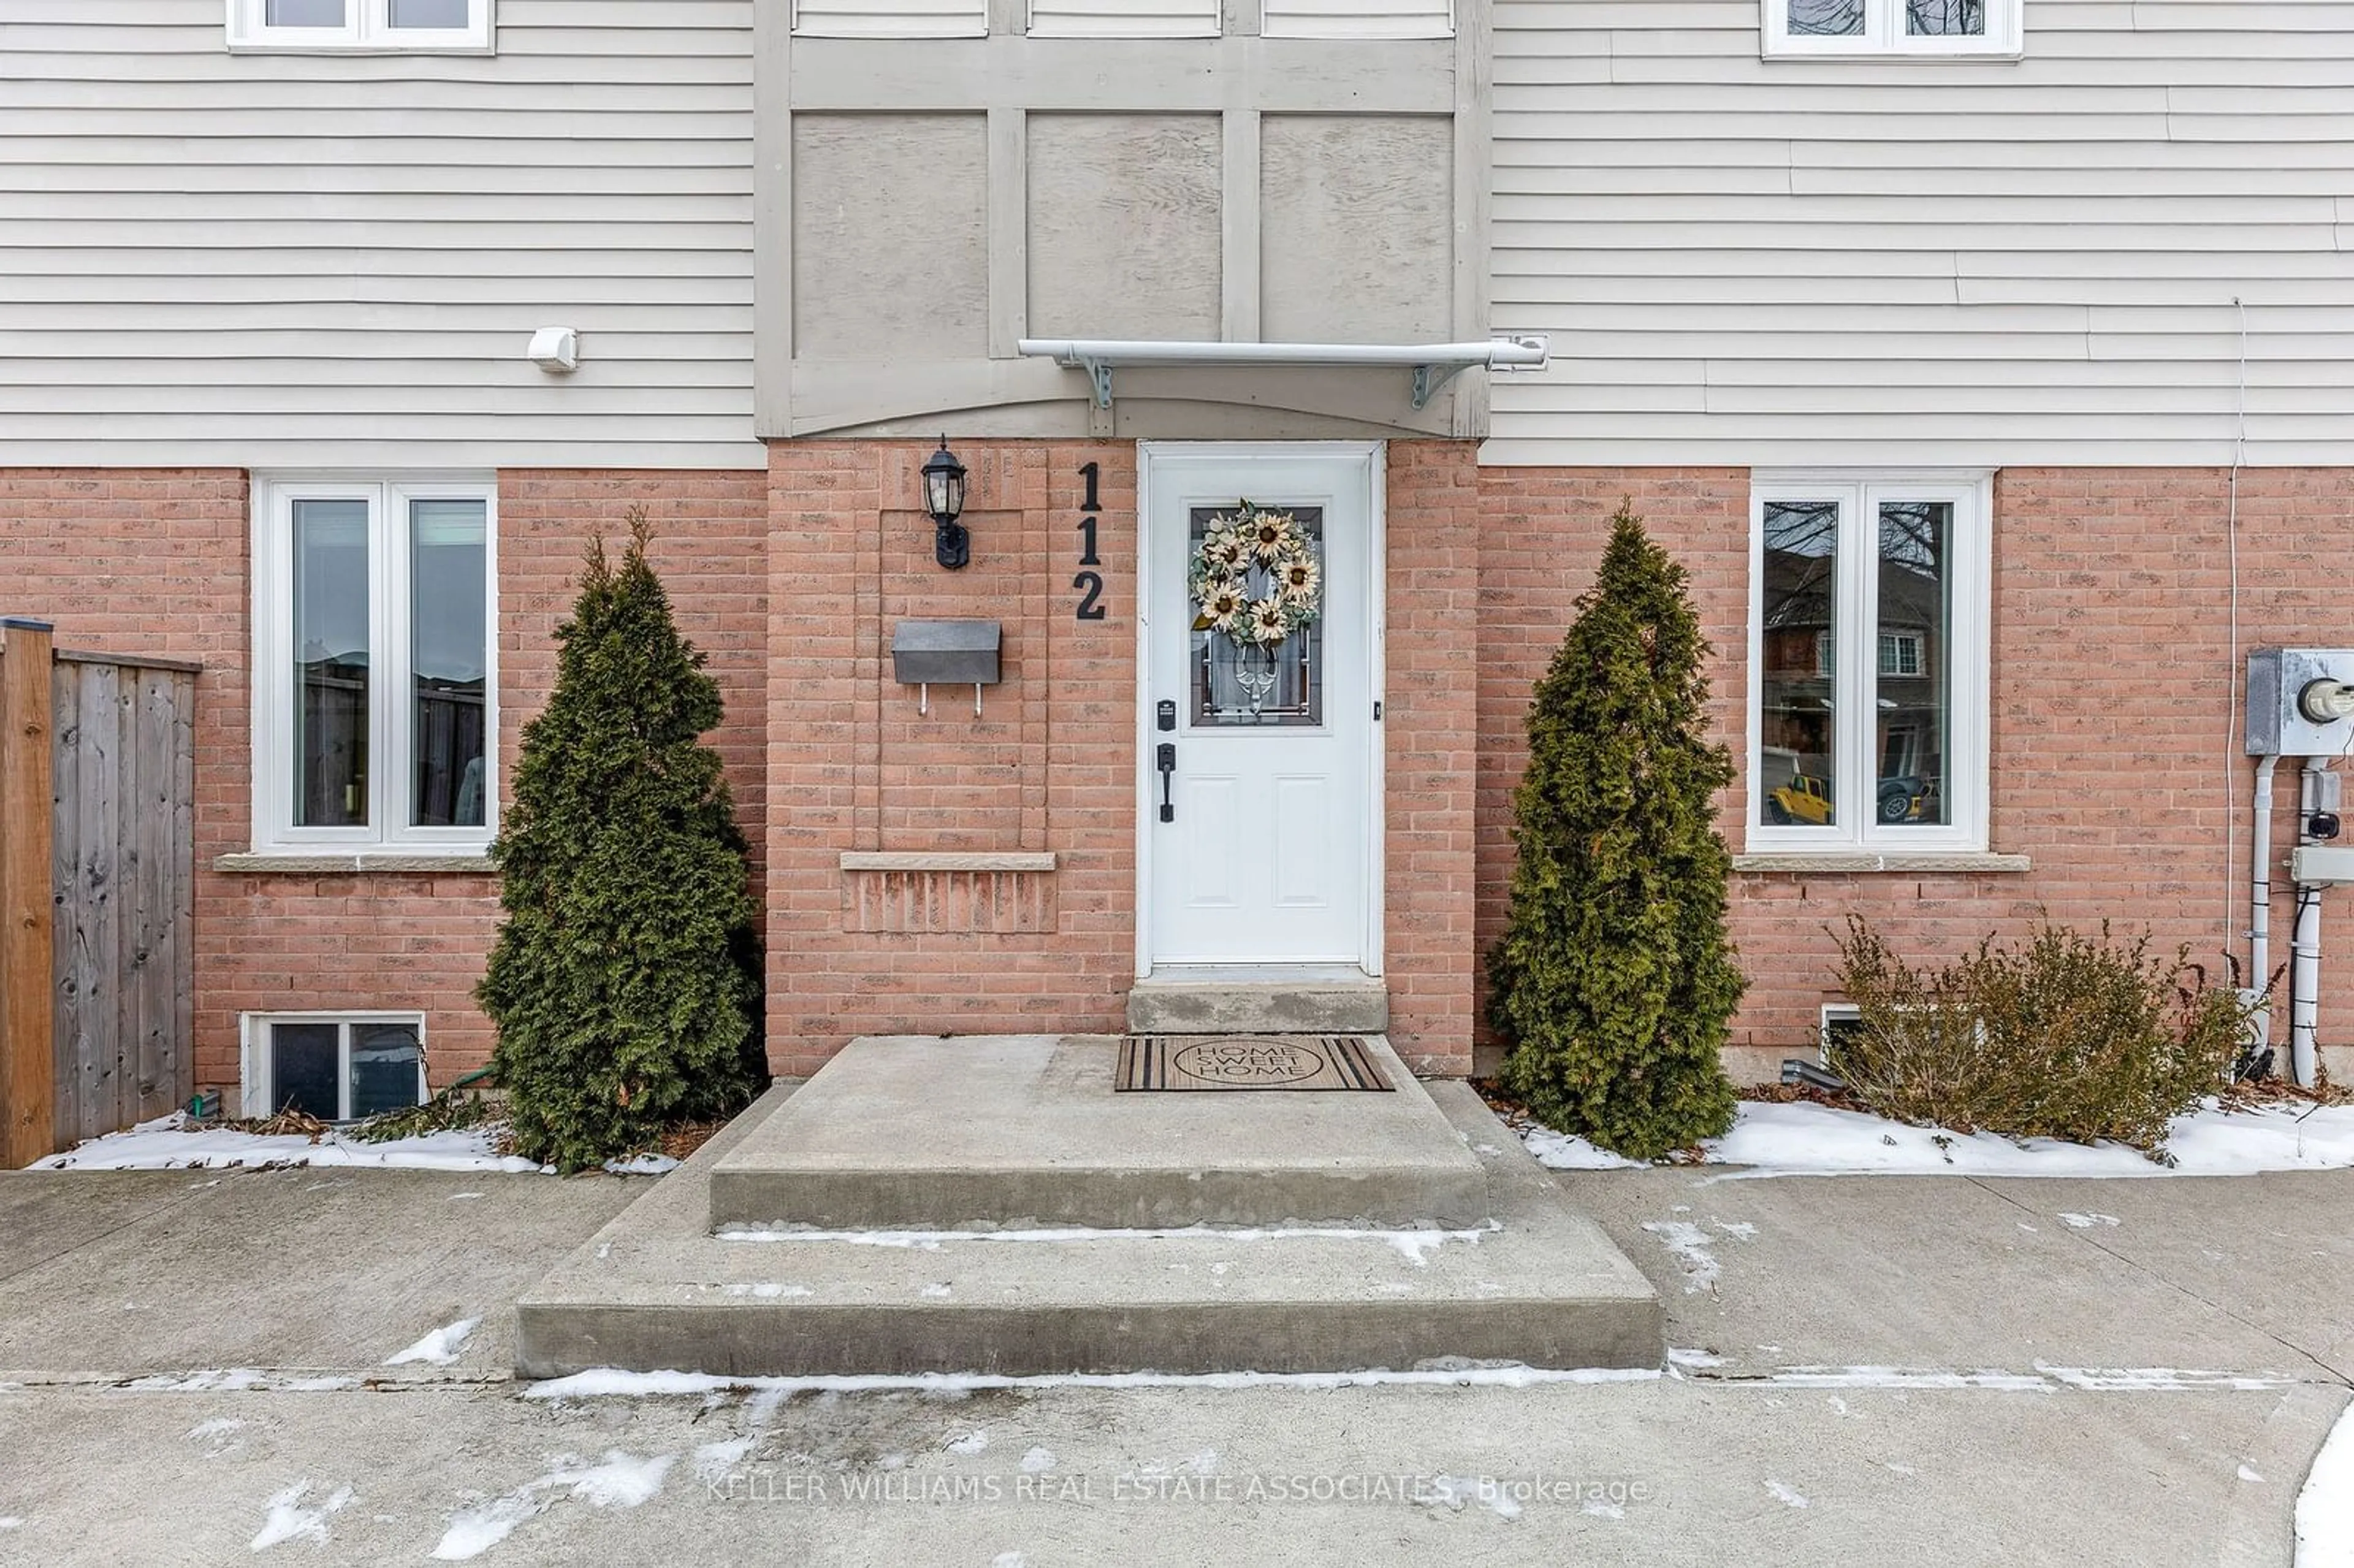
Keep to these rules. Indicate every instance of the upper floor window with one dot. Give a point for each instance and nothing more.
(1122, 18)
(890, 18)
(375, 709)
(360, 24)
(1932, 28)
(1868, 685)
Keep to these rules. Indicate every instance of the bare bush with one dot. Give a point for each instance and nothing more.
(2065, 1036)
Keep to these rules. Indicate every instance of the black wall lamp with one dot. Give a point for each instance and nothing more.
(944, 494)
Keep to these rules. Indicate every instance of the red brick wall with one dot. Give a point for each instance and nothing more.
(1050, 764)
(1431, 735)
(156, 562)
(2116, 704)
(2114, 722)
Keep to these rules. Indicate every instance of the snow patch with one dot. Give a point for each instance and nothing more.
(612, 1383)
(288, 1520)
(2044, 1379)
(2324, 1509)
(937, 1292)
(11, 1521)
(2248, 1473)
(440, 1347)
(1906, 1378)
(713, 1461)
(1567, 1151)
(1689, 1244)
(622, 1481)
(236, 1380)
(2157, 1380)
(970, 1443)
(1682, 1358)
(1416, 1244)
(1037, 1461)
(768, 1290)
(476, 1530)
(1786, 1494)
(1605, 1511)
(641, 1165)
(2086, 1222)
(215, 1435)
(167, 1143)
(1802, 1138)
(1008, 1560)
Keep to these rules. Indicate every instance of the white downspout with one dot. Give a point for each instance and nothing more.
(2304, 974)
(2260, 900)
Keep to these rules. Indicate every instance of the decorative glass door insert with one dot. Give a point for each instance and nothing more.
(1247, 682)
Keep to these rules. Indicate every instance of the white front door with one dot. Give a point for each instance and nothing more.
(1259, 765)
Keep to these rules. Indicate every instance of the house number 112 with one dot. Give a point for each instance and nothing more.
(1090, 584)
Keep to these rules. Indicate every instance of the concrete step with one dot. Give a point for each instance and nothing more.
(1025, 1130)
(1537, 1284)
(1258, 1001)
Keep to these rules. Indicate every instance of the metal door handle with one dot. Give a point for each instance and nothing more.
(1168, 761)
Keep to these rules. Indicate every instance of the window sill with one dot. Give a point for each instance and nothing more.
(1893, 56)
(1932, 861)
(865, 860)
(362, 862)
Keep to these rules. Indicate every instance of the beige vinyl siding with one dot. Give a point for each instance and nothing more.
(1855, 262)
(1124, 18)
(337, 260)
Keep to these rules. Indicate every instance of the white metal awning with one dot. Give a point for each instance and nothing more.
(1433, 363)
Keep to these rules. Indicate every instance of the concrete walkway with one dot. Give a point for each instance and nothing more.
(1868, 1371)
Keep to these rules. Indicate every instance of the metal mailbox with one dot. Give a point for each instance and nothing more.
(926, 653)
(946, 653)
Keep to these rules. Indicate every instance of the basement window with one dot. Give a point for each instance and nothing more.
(1841, 1020)
(336, 1066)
(378, 26)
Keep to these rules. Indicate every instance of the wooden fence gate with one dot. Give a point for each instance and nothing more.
(97, 884)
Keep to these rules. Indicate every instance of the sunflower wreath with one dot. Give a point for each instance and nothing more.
(1253, 578)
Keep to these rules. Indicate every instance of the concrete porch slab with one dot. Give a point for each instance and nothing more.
(1258, 1001)
(917, 1131)
(1539, 1285)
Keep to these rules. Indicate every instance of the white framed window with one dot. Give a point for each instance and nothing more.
(337, 1067)
(1929, 29)
(1888, 754)
(1357, 19)
(889, 18)
(1125, 19)
(376, 665)
(379, 25)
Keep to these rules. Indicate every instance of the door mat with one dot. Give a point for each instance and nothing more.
(1167, 1062)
